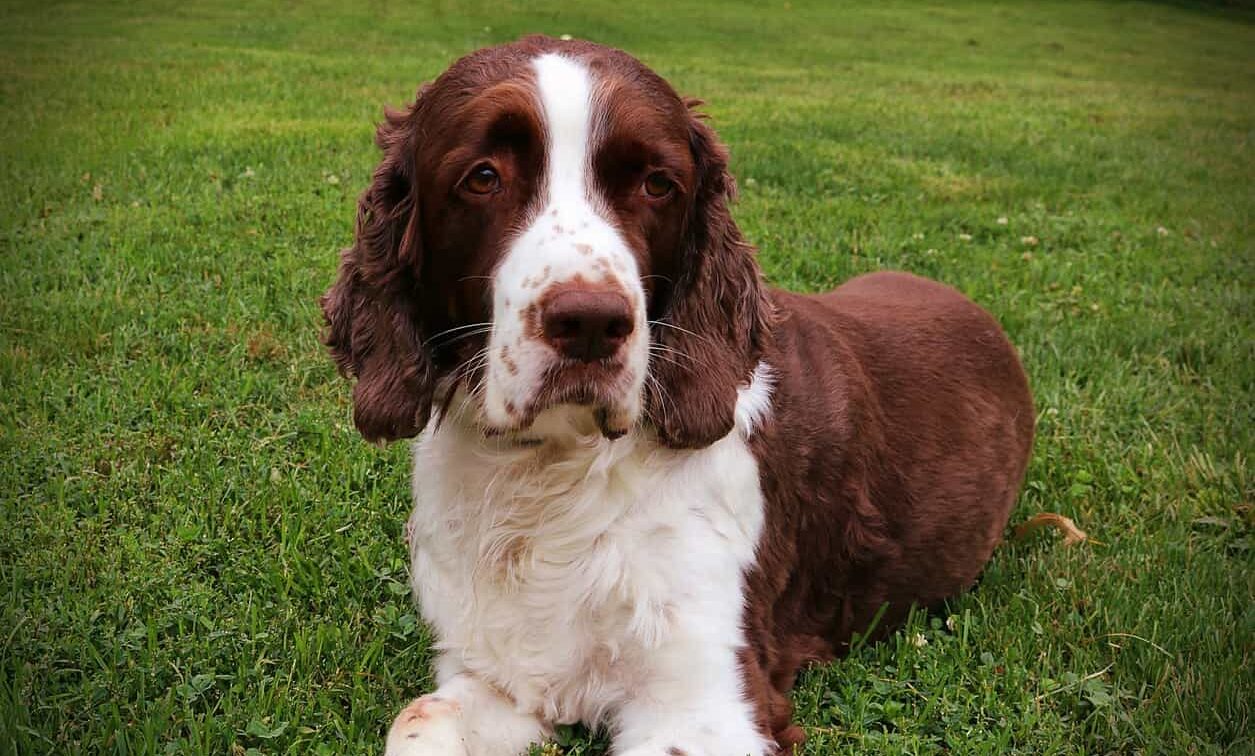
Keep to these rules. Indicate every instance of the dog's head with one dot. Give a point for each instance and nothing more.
(548, 235)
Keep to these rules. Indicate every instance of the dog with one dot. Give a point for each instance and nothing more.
(648, 488)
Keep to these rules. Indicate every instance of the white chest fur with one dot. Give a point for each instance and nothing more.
(572, 575)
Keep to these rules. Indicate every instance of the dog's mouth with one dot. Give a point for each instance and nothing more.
(604, 420)
(609, 424)
(577, 399)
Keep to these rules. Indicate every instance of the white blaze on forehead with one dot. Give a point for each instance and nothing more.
(569, 238)
(566, 96)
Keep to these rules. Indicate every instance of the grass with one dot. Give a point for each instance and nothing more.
(198, 554)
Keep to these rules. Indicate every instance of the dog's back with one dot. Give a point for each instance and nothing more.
(958, 418)
(910, 408)
(901, 428)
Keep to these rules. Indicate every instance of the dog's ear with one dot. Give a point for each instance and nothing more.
(373, 327)
(718, 316)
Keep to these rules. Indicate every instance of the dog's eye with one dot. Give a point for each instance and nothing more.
(658, 185)
(482, 179)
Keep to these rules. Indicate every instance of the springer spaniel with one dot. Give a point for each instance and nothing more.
(648, 488)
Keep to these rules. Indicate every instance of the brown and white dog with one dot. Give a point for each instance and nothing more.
(651, 488)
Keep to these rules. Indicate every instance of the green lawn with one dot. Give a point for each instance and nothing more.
(199, 555)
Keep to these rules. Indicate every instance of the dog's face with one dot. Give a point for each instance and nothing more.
(547, 231)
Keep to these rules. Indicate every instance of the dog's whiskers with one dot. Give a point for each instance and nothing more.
(675, 327)
(483, 326)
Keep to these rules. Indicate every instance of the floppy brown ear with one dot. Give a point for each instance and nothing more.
(718, 316)
(374, 332)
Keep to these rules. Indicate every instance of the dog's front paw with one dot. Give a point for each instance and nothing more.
(429, 726)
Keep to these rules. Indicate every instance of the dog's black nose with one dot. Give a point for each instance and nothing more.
(586, 324)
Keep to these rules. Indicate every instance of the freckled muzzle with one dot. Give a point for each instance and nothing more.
(582, 347)
(585, 330)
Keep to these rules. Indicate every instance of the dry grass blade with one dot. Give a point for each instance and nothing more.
(1071, 533)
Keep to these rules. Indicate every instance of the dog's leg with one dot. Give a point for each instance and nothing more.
(464, 717)
(690, 705)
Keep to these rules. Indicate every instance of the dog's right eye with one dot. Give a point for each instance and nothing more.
(483, 179)
(657, 185)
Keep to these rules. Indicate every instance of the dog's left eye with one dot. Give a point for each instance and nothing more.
(483, 179)
(658, 185)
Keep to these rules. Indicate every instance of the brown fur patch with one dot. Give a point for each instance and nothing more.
(510, 365)
(917, 452)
